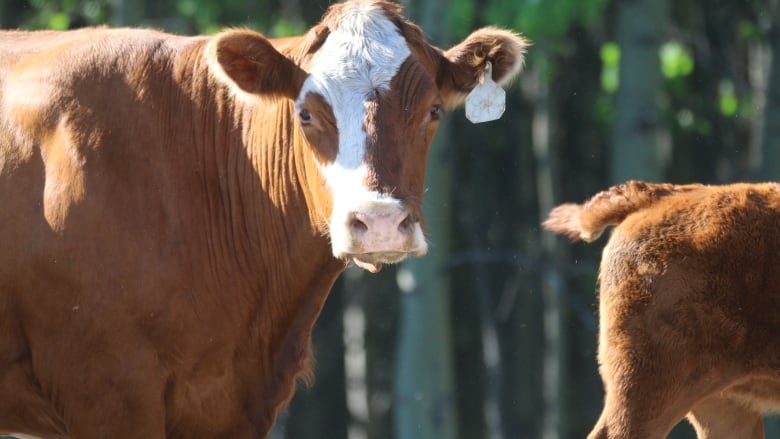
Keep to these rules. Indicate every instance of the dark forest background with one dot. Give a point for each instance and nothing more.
(493, 334)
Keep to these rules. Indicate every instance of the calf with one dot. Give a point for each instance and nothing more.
(689, 306)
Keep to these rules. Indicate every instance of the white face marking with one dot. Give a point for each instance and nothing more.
(359, 57)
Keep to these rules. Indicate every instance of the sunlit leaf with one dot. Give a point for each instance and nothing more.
(727, 99)
(610, 79)
(675, 60)
(187, 7)
(286, 28)
(59, 21)
(68, 5)
(610, 54)
(610, 67)
(685, 118)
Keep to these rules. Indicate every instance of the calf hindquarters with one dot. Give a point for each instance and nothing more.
(689, 306)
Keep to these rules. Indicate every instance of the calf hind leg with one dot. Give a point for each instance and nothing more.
(649, 417)
(717, 417)
(647, 392)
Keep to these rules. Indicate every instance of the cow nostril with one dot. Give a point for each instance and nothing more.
(406, 224)
(358, 226)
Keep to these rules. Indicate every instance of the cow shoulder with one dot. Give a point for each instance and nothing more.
(62, 94)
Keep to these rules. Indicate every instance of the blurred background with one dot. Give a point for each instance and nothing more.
(493, 334)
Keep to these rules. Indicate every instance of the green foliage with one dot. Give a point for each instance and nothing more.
(731, 104)
(287, 27)
(675, 60)
(64, 14)
(543, 19)
(610, 61)
(460, 18)
(727, 99)
(756, 29)
(59, 21)
(202, 13)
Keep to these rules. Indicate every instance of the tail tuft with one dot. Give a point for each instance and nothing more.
(587, 221)
(565, 220)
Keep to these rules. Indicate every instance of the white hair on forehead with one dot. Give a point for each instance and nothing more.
(365, 47)
(366, 35)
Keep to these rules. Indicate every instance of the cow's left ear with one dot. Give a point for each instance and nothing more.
(248, 61)
(466, 62)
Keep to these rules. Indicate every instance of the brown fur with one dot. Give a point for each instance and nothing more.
(163, 255)
(689, 306)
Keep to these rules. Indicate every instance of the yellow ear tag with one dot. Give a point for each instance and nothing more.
(487, 101)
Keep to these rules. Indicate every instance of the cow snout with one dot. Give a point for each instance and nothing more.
(377, 231)
(379, 227)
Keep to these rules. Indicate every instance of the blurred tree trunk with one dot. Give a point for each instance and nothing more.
(370, 324)
(554, 350)
(635, 140)
(469, 369)
(483, 263)
(424, 395)
(381, 301)
(496, 327)
(577, 165)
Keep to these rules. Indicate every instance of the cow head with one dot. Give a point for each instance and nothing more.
(368, 93)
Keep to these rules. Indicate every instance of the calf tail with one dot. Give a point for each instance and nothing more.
(588, 220)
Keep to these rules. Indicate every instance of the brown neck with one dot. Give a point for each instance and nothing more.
(263, 243)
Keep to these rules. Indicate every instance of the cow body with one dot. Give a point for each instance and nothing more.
(173, 210)
(689, 306)
(135, 269)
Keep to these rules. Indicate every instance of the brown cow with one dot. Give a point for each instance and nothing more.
(689, 306)
(174, 210)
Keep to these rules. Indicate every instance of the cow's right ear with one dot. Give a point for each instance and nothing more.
(248, 61)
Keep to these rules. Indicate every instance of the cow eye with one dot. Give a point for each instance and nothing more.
(435, 112)
(305, 116)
